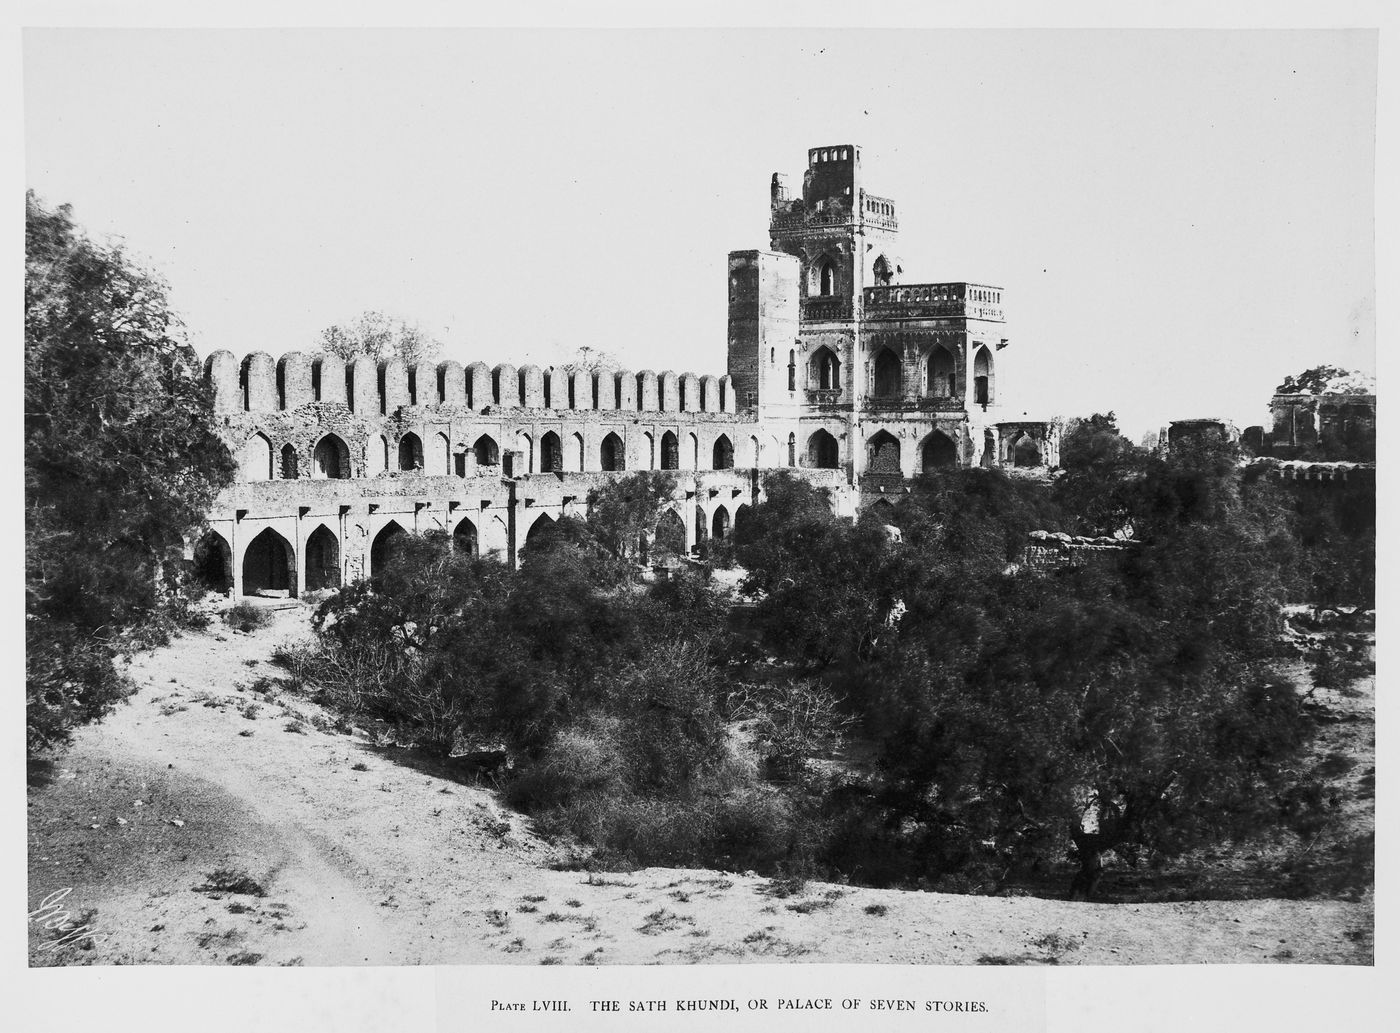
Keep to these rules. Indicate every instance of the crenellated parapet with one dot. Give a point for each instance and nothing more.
(261, 384)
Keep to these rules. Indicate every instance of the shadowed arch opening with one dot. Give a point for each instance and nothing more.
(1025, 451)
(883, 510)
(792, 450)
(670, 451)
(213, 563)
(487, 452)
(648, 451)
(824, 277)
(386, 548)
(888, 375)
(719, 526)
(884, 454)
(670, 535)
(702, 524)
(541, 530)
(576, 456)
(940, 452)
(322, 560)
(612, 456)
(551, 453)
(824, 370)
(982, 377)
(883, 275)
(942, 376)
(410, 452)
(331, 458)
(723, 453)
(989, 450)
(823, 451)
(741, 517)
(269, 566)
(464, 537)
(289, 462)
(255, 459)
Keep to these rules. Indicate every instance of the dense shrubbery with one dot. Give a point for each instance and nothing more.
(120, 460)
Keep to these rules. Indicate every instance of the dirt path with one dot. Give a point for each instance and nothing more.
(364, 860)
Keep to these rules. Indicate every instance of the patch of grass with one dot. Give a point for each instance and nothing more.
(573, 903)
(1056, 943)
(247, 733)
(246, 616)
(359, 765)
(551, 960)
(250, 711)
(806, 907)
(240, 909)
(663, 921)
(244, 958)
(515, 946)
(498, 918)
(533, 898)
(784, 886)
(599, 880)
(527, 909)
(878, 910)
(294, 726)
(228, 880)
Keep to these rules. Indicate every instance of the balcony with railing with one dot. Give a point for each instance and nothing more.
(825, 309)
(925, 300)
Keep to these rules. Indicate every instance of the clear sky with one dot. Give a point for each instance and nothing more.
(1178, 218)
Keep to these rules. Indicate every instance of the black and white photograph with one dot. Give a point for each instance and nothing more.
(735, 501)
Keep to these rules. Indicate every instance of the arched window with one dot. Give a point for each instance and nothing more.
(670, 535)
(826, 278)
(410, 452)
(823, 452)
(692, 451)
(883, 276)
(576, 462)
(670, 452)
(702, 526)
(824, 370)
(378, 452)
(719, 527)
(289, 462)
(1025, 451)
(792, 370)
(255, 459)
(648, 451)
(792, 450)
(331, 458)
(756, 451)
(723, 458)
(884, 454)
(982, 377)
(939, 452)
(322, 560)
(942, 378)
(268, 567)
(487, 452)
(541, 530)
(551, 454)
(213, 563)
(611, 454)
(888, 375)
(442, 456)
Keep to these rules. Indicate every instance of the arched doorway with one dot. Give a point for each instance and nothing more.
(464, 537)
(541, 530)
(882, 274)
(487, 452)
(289, 462)
(982, 377)
(576, 459)
(824, 370)
(823, 452)
(883, 450)
(612, 456)
(741, 517)
(670, 535)
(322, 560)
(269, 566)
(723, 457)
(670, 452)
(702, 525)
(410, 452)
(213, 563)
(940, 452)
(255, 459)
(331, 458)
(719, 527)
(888, 375)
(385, 549)
(826, 278)
(792, 450)
(551, 454)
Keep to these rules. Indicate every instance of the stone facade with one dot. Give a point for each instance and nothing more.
(837, 370)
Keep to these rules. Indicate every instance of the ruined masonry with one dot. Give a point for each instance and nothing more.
(838, 371)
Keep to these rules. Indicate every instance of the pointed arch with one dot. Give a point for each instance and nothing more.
(648, 451)
(442, 456)
(756, 451)
(551, 453)
(269, 567)
(670, 535)
(883, 454)
(823, 452)
(742, 514)
(702, 524)
(526, 446)
(983, 377)
(410, 452)
(213, 563)
(577, 461)
(942, 378)
(377, 453)
(612, 455)
(883, 274)
(255, 458)
(792, 450)
(939, 452)
(289, 462)
(465, 538)
(1025, 451)
(719, 526)
(487, 452)
(722, 457)
(886, 375)
(883, 510)
(824, 277)
(322, 560)
(385, 548)
(543, 528)
(670, 451)
(331, 458)
(824, 370)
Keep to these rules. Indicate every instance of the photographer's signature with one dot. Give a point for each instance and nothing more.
(65, 926)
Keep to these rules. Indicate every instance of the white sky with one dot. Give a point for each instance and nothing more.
(1178, 218)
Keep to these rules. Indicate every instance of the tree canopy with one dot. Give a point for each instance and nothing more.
(380, 336)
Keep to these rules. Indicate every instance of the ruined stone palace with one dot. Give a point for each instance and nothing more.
(837, 370)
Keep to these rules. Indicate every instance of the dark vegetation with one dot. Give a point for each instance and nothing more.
(120, 460)
(911, 712)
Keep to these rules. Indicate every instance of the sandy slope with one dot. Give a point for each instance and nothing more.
(390, 865)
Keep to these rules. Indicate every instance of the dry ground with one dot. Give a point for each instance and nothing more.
(352, 855)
